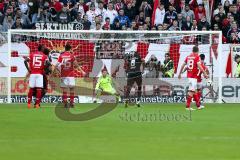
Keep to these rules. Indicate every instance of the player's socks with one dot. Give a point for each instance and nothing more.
(65, 105)
(38, 98)
(71, 100)
(71, 97)
(197, 99)
(199, 94)
(64, 98)
(34, 92)
(42, 95)
(30, 93)
(189, 100)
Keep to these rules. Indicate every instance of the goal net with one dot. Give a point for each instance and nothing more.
(95, 50)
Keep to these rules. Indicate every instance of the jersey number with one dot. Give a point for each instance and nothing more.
(37, 61)
(133, 63)
(67, 63)
(190, 64)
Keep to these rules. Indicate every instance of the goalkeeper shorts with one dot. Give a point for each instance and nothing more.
(111, 91)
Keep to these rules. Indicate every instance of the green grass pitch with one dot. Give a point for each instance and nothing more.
(210, 134)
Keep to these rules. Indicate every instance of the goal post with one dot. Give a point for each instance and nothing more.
(96, 50)
(220, 100)
(9, 82)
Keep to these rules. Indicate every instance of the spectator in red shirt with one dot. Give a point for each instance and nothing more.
(199, 12)
(57, 5)
(193, 4)
(107, 23)
(181, 6)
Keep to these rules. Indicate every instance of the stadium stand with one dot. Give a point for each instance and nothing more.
(124, 15)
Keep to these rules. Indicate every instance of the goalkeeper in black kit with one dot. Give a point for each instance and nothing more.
(134, 69)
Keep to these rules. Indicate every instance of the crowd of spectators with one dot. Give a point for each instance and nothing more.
(169, 15)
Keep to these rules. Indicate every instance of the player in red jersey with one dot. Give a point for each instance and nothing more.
(47, 71)
(193, 65)
(37, 62)
(67, 63)
(199, 78)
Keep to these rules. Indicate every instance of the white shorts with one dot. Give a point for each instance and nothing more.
(36, 80)
(199, 85)
(67, 82)
(192, 84)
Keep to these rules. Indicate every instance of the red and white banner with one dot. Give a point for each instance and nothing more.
(85, 53)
